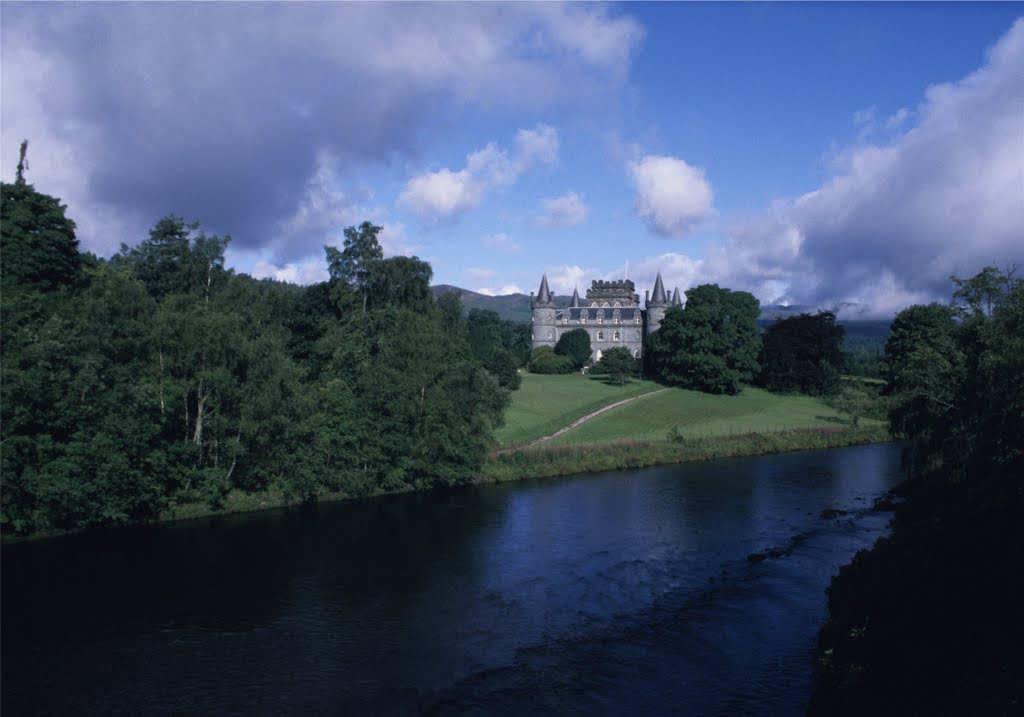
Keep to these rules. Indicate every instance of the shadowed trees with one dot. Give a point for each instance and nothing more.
(802, 353)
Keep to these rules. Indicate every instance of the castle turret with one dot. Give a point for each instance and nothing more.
(657, 304)
(575, 300)
(543, 316)
(676, 301)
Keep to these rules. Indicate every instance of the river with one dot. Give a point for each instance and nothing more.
(615, 593)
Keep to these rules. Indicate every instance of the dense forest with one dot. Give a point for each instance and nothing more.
(931, 621)
(160, 377)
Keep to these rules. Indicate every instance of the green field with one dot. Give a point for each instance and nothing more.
(546, 403)
(543, 404)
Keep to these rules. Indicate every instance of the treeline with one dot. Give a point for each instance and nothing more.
(161, 377)
(931, 621)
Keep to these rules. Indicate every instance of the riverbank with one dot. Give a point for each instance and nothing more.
(930, 621)
(549, 461)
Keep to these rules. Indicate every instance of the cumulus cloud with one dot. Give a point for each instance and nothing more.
(566, 277)
(503, 244)
(673, 197)
(565, 211)
(310, 271)
(225, 111)
(677, 271)
(944, 198)
(443, 195)
(500, 291)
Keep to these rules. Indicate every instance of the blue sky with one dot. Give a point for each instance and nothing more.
(829, 154)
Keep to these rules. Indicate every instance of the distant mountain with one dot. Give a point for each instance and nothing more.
(511, 306)
(770, 312)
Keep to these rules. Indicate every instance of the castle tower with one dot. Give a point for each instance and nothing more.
(676, 301)
(657, 304)
(542, 307)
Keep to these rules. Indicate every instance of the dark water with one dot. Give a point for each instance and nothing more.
(618, 593)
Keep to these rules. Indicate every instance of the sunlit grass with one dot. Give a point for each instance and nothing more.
(543, 404)
(697, 415)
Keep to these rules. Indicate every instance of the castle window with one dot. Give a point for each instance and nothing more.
(618, 304)
(600, 318)
(636, 354)
(551, 334)
(600, 335)
(615, 336)
(615, 319)
(593, 304)
(605, 305)
(583, 317)
(565, 319)
(636, 320)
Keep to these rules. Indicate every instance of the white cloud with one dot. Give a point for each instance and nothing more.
(944, 198)
(864, 117)
(444, 194)
(537, 146)
(503, 244)
(898, 119)
(677, 271)
(565, 211)
(394, 241)
(500, 291)
(563, 279)
(673, 197)
(310, 271)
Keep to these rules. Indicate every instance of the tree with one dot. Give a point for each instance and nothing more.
(617, 364)
(802, 353)
(923, 368)
(711, 344)
(37, 240)
(545, 360)
(173, 261)
(352, 267)
(492, 342)
(400, 281)
(575, 345)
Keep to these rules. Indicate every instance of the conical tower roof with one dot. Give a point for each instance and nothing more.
(575, 299)
(658, 295)
(676, 301)
(544, 294)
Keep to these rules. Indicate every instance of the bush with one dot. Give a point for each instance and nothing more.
(545, 360)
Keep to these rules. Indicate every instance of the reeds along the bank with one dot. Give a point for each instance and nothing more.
(552, 461)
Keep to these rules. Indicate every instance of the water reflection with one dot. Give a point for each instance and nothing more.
(598, 593)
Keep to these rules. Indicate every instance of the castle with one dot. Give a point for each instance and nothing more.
(611, 314)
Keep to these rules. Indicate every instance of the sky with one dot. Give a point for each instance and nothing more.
(843, 156)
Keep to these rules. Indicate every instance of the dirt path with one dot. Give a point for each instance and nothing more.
(575, 423)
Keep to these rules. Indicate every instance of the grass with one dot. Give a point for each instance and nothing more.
(548, 461)
(543, 404)
(702, 415)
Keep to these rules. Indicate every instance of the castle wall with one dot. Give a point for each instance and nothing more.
(599, 316)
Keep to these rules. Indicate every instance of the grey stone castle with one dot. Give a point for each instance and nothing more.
(611, 314)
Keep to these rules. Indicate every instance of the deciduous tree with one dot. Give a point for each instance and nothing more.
(575, 345)
(711, 344)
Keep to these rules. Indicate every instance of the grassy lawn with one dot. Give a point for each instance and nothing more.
(543, 404)
(700, 414)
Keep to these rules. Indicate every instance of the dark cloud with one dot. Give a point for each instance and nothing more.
(224, 111)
